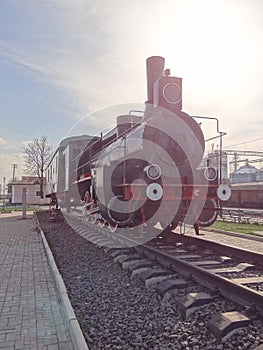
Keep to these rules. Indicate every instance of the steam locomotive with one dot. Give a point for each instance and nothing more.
(150, 169)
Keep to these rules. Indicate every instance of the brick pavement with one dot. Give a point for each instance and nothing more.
(235, 240)
(31, 316)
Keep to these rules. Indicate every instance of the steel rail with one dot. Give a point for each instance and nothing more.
(236, 292)
(231, 290)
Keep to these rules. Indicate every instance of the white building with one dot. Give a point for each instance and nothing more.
(32, 185)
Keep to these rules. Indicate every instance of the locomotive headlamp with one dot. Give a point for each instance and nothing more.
(172, 93)
(210, 173)
(153, 171)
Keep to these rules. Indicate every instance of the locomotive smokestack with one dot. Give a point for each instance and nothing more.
(155, 68)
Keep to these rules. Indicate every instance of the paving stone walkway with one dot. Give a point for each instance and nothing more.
(31, 316)
(236, 240)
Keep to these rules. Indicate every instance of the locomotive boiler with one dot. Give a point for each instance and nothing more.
(149, 168)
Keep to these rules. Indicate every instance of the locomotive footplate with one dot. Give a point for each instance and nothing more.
(170, 191)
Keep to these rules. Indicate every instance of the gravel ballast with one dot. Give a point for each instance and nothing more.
(117, 312)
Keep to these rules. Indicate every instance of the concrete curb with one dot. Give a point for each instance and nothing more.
(76, 334)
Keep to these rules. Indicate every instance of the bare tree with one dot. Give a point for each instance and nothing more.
(37, 154)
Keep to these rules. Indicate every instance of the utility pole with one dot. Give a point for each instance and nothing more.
(24, 203)
(4, 193)
(14, 166)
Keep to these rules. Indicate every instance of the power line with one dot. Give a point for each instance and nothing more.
(245, 142)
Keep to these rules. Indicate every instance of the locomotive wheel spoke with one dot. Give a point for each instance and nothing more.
(113, 227)
(101, 222)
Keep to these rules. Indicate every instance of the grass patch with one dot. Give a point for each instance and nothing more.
(10, 210)
(237, 227)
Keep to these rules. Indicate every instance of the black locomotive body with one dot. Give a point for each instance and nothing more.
(148, 169)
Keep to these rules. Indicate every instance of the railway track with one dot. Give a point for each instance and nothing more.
(237, 275)
(218, 273)
(206, 264)
(205, 286)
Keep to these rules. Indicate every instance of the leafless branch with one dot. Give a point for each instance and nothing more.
(37, 154)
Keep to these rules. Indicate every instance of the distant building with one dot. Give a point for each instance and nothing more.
(32, 184)
(213, 160)
(245, 174)
(259, 175)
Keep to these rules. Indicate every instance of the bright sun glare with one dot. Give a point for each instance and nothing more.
(211, 41)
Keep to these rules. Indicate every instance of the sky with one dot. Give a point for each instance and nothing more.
(71, 66)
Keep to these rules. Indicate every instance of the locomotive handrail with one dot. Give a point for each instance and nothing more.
(135, 111)
(211, 118)
(221, 134)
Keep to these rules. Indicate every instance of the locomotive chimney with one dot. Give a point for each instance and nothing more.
(155, 68)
